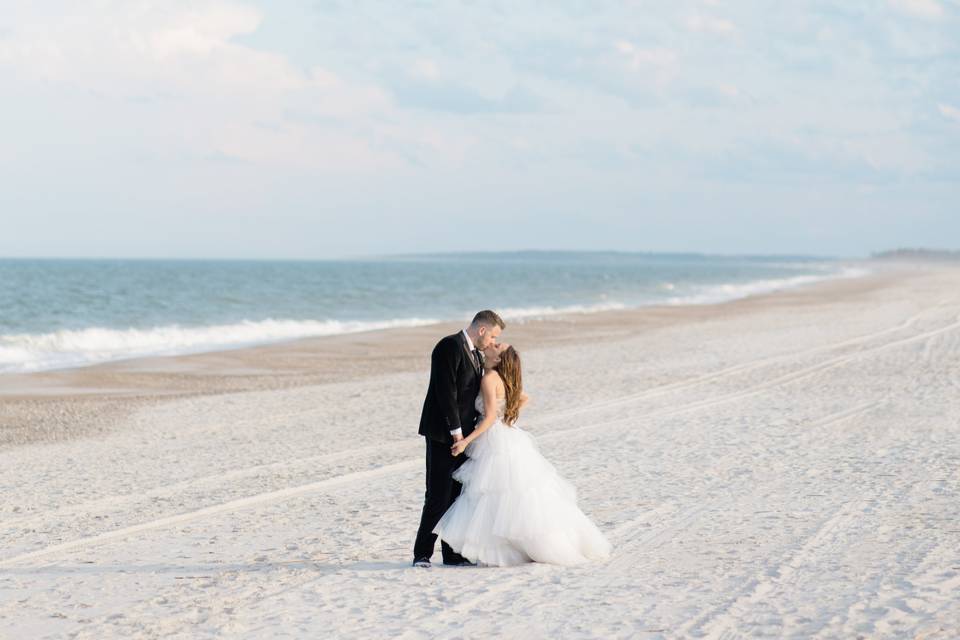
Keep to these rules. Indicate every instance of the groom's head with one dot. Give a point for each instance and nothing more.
(485, 329)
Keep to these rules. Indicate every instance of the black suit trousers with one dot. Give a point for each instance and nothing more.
(442, 490)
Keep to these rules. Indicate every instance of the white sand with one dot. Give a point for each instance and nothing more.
(786, 471)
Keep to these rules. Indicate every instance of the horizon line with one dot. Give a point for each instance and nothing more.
(452, 253)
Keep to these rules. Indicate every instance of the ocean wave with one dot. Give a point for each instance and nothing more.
(713, 294)
(82, 347)
(20, 353)
(529, 313)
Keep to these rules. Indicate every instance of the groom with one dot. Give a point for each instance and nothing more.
(449, 414)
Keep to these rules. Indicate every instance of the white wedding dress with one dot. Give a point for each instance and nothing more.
(515, 507)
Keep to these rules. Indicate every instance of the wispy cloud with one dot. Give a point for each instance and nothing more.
(949, 112)
(921, 8)
(126, 46)
(710, 24)
(190, 53)
(544, 108)
(658, 64)
(642, 57)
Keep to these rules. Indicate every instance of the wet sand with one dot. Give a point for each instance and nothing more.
(63, 404)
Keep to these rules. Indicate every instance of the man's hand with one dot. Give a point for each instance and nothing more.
(457, 437)
(458, 447)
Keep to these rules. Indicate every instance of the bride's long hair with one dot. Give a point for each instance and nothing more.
(510, 372)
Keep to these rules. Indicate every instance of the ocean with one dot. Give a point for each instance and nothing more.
(68, 313)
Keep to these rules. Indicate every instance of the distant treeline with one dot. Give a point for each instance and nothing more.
(917, 254)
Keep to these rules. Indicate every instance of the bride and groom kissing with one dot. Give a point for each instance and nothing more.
(491, 497)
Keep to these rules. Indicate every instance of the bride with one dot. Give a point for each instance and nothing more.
(514, 506)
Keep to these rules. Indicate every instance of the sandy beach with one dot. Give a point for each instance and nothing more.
(784, 465)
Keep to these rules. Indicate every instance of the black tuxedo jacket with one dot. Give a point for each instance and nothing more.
(452, 392)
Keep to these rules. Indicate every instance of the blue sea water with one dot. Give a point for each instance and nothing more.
(65, 313)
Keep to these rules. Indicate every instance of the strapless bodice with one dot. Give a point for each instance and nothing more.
(501, 406)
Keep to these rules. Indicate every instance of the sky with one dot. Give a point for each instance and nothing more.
(326, 129)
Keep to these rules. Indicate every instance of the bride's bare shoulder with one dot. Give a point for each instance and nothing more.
(491, 382)
(491, 378)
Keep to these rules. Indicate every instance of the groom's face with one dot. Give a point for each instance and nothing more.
(488, 336)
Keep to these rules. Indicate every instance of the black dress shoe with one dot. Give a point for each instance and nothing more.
(422, 562)
(462, 562)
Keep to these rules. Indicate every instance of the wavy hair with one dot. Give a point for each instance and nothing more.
(511, 374)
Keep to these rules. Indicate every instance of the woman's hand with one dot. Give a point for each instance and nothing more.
(458, 447)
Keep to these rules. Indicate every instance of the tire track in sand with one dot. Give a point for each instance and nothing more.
(165, 491)
(408, 465)
(631, 551)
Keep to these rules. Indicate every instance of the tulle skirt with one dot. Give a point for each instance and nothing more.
(515, 507)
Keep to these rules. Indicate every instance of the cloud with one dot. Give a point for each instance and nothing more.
(454, 97)
(297, 102)
(178, 70)
(424, 85)
(949, 112)
(708, 24)
(196, 32)
(729, 90)
(126, 47)
(919, 8)
(659, 64)
(426, 68)
(651, 57)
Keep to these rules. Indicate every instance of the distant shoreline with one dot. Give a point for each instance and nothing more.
(445, 254)
(918, 255)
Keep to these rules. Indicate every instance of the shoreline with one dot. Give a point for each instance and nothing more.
(89, 346)
(54, 405)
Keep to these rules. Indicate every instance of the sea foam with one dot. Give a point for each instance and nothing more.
(26, 352)
(83, 347)
(62, 349)
(712, 294)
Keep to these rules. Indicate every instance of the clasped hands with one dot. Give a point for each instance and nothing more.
(459, 444)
